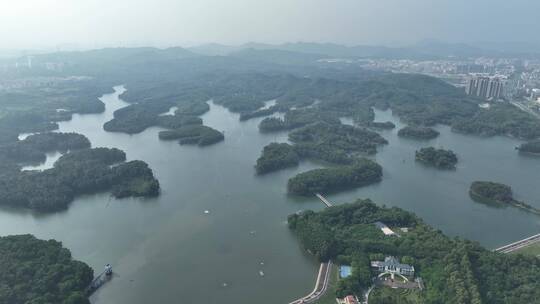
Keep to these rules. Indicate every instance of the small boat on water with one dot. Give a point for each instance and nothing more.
(261, 273)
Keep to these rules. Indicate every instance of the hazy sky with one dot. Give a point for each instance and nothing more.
(95, 23)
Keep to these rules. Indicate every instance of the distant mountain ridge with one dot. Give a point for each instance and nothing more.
(426, 49)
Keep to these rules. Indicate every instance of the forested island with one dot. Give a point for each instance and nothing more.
(78, 172)
(363, 172)
(439, 158)
(193, 135)
(38, 271)
(532, 147)
(297, 118)
(387, 125)
(418, 132)
(497, 194)
(453, 270)
(276, 156)
(34, 147)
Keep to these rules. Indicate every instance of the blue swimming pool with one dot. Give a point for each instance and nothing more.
(344, 271)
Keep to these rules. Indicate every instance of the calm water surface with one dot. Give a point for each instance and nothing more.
(167, 250)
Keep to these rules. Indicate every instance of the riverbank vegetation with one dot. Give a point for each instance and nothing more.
(497, 194)
(439, 158)
(415, 132)
(79, 172)
(453, 270)
(387, 125)
(361, 173)
(38, 271)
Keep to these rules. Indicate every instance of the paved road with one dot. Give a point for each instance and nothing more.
(525, 108)
(323, 280)
(519, 244)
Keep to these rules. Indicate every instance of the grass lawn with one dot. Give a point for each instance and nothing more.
(330, 296)
(532, 250)
(383, 295)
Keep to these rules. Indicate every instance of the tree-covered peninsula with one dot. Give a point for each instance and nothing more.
(439, 158)
(418, 132)
(497, 194)
(79, 172)
(38, 271)
(34, 147)
(453, 270)
(532, 147)
(361, 173)
(276, 156)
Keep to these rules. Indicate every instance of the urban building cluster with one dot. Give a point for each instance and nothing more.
(489, 88)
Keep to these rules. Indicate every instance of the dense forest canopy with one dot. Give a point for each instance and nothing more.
(41, 272)
(453, 270)
(440, 158)
(418, 132)
(79, 172)
(361, 173)
(34, 147)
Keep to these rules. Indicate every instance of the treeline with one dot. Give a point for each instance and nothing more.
(417, 132)
(38, 271)
(78, 172)
(363, 172)
(453, 270)
(193, 134)
(439, 158)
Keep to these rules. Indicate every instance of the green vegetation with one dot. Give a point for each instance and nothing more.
(454, 270)
(276, 156)
(532, 147)
(497, 194)
(37, 271)
(532, 250)
(296, 119)
(39, 106)
(440, 158)
(334, 142)
(361, 173)
(387, 125)
(500, 119)
(34, 147)
(193, 134)
(387, 295)
(418, 132)
(75, 173)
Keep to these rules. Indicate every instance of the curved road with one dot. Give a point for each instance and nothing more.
(323, 279)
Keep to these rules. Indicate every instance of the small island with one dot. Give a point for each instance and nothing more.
(362, 173)
(387, 125)
(39, 271)
(193, 135)
(497, 194)
(276, 156)
(418, 132)
(531, 147)
(439, 158)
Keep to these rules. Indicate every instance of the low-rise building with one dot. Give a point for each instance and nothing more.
(391, 265)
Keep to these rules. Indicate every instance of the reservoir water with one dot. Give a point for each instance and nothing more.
(169, 250)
